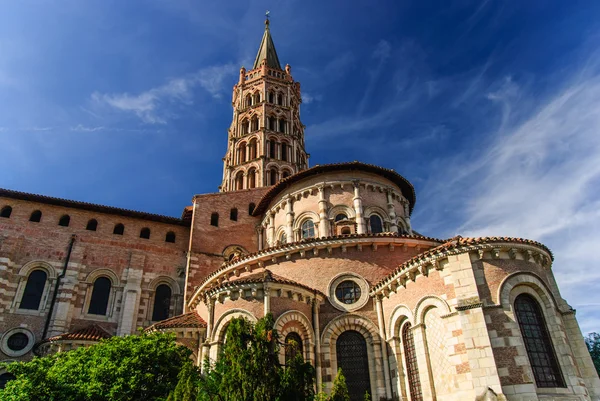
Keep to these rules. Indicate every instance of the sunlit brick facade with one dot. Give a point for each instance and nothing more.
(330, 251)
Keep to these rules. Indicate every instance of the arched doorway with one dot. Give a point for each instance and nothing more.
(352, 358)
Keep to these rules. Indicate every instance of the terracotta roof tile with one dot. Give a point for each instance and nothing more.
(190, 319)
(89, 333)
(264, 276)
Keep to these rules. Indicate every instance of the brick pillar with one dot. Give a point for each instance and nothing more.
(131, 295)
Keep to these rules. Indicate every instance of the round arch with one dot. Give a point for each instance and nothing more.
(400, 314)
(218, 333)
(297, 322)
(537, 287)
(165, 280)
(38, 264)
(92, 276)
(426, 303)
(337, 209)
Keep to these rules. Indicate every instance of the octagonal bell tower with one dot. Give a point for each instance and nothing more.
(266, 138)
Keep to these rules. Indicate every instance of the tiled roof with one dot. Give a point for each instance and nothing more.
(291, 246)
(190, 319)
(407, 189)
(89, 333)
(457, 242)
(7, 193)
(261, 277)
(266, 51)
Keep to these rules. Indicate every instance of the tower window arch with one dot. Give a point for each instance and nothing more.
(100, 296)
(251, 208)
(284, 151)
(282, 124)
(280, 99)
(254, 124)
(6, 212)
(249, 100)
(537, 341)
(272, 123)
(242, 152)
(92, 225)
(340, 216)
(244, 126)
(308, 229)
(273, 176)
(214, 219)
(293, 346)
(64, 221)
(283, 238)
(272, 148)
(239, 181)
(285, 174)
(162, 302)
(375, 224)
(145, 233)
(34, 289)
(253, 148)
(170, 237)
(412, 369)
(271, 97)
(119, 229)
(256, 99)
(252, 178)
(36, 216)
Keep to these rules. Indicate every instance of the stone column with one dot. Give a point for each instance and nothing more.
(271, 229)
(204, 351)
(358, 209)
(259, 230)
(407, 217)
(324, 229)
(289, 214)
(131, 294)
(266, 298)
(317, 330)
(391, 211)
(384, 353)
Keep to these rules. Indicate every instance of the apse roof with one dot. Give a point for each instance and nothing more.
(88, 333)
(190, 319)
(406, 187)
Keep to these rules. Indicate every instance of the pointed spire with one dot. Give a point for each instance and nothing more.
(267, 50)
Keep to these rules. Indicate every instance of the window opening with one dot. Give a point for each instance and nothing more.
(36, 216)
(162, 302)
(214, 219)
(233, 214)
(308, 229)
(6, 212)
(352, 358)
(348, 292)
(34, 289)
(375, 223)
(412, 369)
(293, 346)
(119, 229)
(100, 295)
(92, 225)
(170, 237)
(251, 208)
(145, 233)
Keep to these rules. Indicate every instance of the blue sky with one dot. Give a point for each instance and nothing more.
(490, 108)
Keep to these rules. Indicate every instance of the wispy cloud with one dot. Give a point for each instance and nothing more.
(150, 106)
(380, 55)
(83, 128)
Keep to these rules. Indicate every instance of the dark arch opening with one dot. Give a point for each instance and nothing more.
(145, 233)
(375, 224)
(233, 214)
(6, 212)
(162, 302)
(119, 229)
(36, 216)
(34, 289)
(64, 221)
(214, 219)
(251, 208)
(352, 358)
(293, 346)
(100, 296)
(170, 237)
(92, 225)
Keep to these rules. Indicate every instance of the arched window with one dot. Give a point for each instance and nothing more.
(145, 233)
(251, 208)
(252, 149)
(92, 225)
(6, 211)
(36, 216)
(293, 346)
(170, 237)
(340, 216)
(34, 289)
(537, 342)
(280, 99)
(375, 224)
(249, 100)
(239, 181)
(273, 176)
(242, 152)
(162, 302)
(256, 97)
(412, 369)
(214, 219)
(252, 178)
(346, 231)
(271, 97)
(283, 238)
(284, 151)
(100, 295)
(119, 229)
(272, 148)
(282, 124)
(64, 221)
(254, 124)
(308, 229)
(285, 174)
(352, 358)
(233, 214)
(244, 126)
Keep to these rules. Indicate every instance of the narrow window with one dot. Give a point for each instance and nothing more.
(272, 149)
(273, 176)
(239, 181)
(36, 216)
(284, 151)
(170, 237)
(92, 225)
(233, 214)
(214, 219)
(353, 359)
(293, 346)
(100, 295)
(162, 302)
(285, 174)
(6, 211)
(281, 127)
(308, 229)
(283, 238)
(375, 224)
(251, 208)
(254, 124)
(252, 149)
(34, 289)
(341, 216)
(119, 229)
(145, 233)
(412, 369)
(252, 178)
(280, 99)
(271, 97)
(242, 152)
(249, 100)
(537, 342)
(64, 221)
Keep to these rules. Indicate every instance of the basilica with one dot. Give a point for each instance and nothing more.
(329, 250)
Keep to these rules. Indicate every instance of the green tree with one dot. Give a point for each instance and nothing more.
(593, 344)
(339, 392)
(144, 367)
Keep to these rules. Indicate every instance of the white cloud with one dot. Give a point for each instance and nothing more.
(83, 128)
(150, 106)
(538, 178)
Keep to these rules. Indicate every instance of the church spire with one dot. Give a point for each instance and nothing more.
(266, 51)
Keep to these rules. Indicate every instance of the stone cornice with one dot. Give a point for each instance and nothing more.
(477, 248)
(315, 247)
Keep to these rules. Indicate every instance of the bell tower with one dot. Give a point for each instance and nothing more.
(266, 138)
